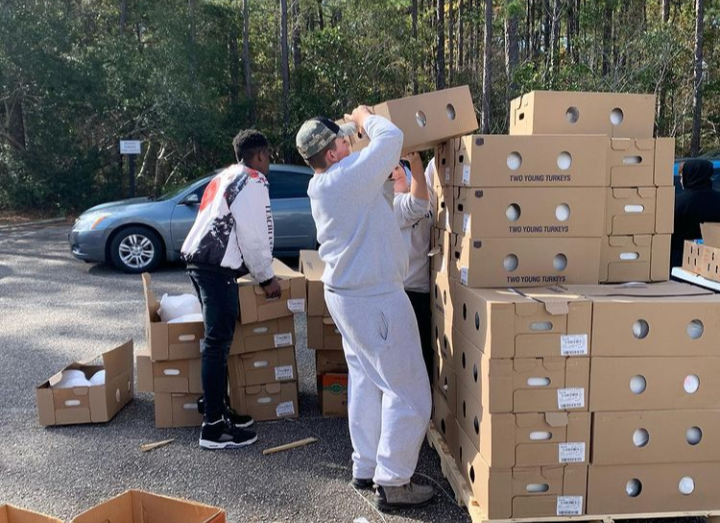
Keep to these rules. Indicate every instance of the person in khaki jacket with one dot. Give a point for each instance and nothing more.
(366, 263)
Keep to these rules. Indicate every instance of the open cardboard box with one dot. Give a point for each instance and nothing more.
(524, 440)
(258, 368)
(169, 341)
(177, 410)
(94, 404)
(135, 506)
(641, 162)
(523, 492)
(255, 306)
(637, 258)
(509, 323)
(618, 115)
(169, 376)
(11, 514)
(267, 402)
(547, 212)
(531, 161)
(313, 267)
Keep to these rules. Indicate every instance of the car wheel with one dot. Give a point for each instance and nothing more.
(136, 249)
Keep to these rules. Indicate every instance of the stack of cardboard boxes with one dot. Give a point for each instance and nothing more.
(324, 338)
(262, 371)
(702, 258)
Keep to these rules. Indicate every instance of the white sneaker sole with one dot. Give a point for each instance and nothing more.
(245, 425)
(215, 445)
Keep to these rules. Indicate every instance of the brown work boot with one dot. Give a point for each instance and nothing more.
(410, 495)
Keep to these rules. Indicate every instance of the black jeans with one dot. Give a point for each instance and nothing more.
(218, 294)
(421, 305)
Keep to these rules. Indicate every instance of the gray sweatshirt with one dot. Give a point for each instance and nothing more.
(360, 241)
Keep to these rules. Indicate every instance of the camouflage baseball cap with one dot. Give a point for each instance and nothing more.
(316, 133)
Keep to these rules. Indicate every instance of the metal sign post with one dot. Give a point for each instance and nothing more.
(131, 148)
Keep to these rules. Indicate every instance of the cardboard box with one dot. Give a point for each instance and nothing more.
(692, 256)
(523, 384)
(547, 212)
(524, 440)
(444, 208)
(641, 163)
(681, 436)
(323, 334)
(709, 258)
(531, 161)
(441, 293)
(430, 119)
(681, 326)
(255, 306)
(95, 404)
(442, 338)
(643, 210)
(169, 376)
(313, 267)
(258, 368)
(445, 163)
(523, 492)
(635, 489)
(177, 410)
(668, 289)
(169, 341)
(135, 506)
(524, 262)
(333, 394)
(267, 402)
(638, 258)
(330, 362)
(444, 380)
(557, 112)
(445, 422)
(622, 384)
(439, 250)
(11, 514)
(508, 323)
(710, 234)
(264, 335)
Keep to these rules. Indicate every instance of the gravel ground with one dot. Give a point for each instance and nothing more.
(55, 310)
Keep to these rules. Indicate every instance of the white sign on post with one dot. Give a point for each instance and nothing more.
(130, 146)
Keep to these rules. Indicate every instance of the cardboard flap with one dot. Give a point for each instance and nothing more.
(637, 289)
(526, 420)
(623, 193)
(328, 321)
(646, 192)
(118, 360)
(557, 307)
(621, 144)
(311, 265)
(10, 514)
(527, 365)
(151, 303)
(710, 234)
(645, 144)
(557, 419)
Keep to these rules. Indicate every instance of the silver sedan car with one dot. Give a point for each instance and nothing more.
(138, 234)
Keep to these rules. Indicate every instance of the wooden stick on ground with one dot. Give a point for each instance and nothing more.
(288, 446)
(151, 446)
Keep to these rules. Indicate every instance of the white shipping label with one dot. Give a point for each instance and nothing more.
(569, 505)
(466, 222)
(464, 275)
(447, 174)
(284, 373)
(574, 345)
(572, 452)
(283, 340)
(466, 174)
(572, 398)
(297, 305)
(286, 408)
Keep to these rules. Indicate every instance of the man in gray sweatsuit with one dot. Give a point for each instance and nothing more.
(389, 400)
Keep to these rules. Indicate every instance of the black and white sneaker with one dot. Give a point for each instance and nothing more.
(221, 434)
(241, 421)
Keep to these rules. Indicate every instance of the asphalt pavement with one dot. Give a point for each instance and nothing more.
(55, 310)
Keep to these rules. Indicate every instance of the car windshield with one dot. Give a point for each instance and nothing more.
(175, 192)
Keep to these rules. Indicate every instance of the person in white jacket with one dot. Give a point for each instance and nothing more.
(366, 263)
(414, 209)
(232, 236)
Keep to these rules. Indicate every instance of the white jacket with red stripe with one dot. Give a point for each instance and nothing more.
(234, 227)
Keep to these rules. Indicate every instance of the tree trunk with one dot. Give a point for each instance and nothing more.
(440, 44)
(606, 37)
(296, 28)
(569, 30)
(246, 60)
(414, 24)
(554, 41)
(461, 35)
(487, 55)
(546, 25)
(697, 84)
(234, 65)
(321, 20)
(665, 11)
(512, 52)
(662, 88)
(451, 42)
(285, 75)
(123, 15)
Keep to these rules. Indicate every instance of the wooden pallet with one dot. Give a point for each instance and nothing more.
(464, 496)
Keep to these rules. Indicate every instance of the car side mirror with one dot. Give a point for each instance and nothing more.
(191, 199)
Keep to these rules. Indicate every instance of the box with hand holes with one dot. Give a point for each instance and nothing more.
(641, 163)
(619, 115)
(636, 258)
(441, 293)
(541, 212)
(11, 514)
(272, 401)
(445, 164)
(639, 210)
(174, 409)
(486, 161)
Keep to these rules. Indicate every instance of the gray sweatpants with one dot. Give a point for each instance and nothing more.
(389, 401)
